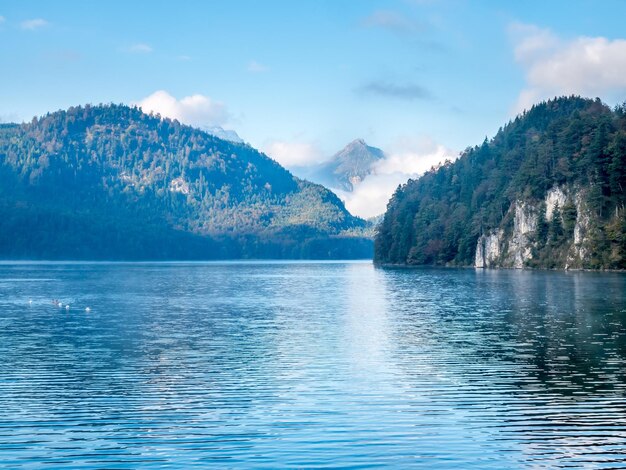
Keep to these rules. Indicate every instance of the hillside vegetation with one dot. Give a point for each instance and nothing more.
(110, 182)
(546, 191)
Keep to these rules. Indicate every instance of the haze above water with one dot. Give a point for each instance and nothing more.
(310, 364)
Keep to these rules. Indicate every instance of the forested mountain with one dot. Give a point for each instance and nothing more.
(546, 191)
(110, 182)
(347, 167)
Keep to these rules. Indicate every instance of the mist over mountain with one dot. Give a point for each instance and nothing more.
(111, 182)
(365, 177)
(345, 169)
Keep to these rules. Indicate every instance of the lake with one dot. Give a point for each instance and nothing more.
(305, 364)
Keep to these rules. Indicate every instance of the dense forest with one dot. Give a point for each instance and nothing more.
(571, 148)
(111, 182)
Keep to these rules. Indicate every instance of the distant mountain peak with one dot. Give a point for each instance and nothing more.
(353, 163)
(346, 168)
(359, 145)
(225, 134)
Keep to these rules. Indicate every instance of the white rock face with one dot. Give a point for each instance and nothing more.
(583, 224)
(525, 218)
(555, 197)
(524, 224)
(479, 258)
(494, 250)
(513, 248)
(488, 250)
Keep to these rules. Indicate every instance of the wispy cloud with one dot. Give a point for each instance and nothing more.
(184, 58)
(294, 153)
(418, 32)
(196, 110)
(9, 117)
(140, 48)
(33, 24)
(394, 22)
(64, 55)
(256, 67)
(2, 19)
(589, 66)
(407, 91)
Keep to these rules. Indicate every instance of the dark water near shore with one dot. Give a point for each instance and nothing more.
(310, 364)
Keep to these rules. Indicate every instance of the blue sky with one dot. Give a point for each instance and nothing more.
(300, 79)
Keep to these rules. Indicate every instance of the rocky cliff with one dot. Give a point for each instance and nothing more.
(515, 246)
(547, 191)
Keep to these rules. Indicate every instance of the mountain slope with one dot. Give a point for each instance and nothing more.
(546, 191)
(347, 167)
(113, 182)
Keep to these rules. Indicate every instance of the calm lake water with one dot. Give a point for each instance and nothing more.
(310, 364)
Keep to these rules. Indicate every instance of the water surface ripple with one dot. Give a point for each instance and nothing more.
(309, 365)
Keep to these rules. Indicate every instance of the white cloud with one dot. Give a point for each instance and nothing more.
(33, 24)
(184, 58)
(393, 21)
(196, 110)
(140, 48)
(294, 153)
(588, 66)
(413, 157)
(532, 42)
(369, 198)
(2, 19)
(408, 158)
(10, 117)
(256, 67)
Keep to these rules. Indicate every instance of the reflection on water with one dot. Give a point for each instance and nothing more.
(310, 364)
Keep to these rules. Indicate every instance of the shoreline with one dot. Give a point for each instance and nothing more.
(497, 268)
